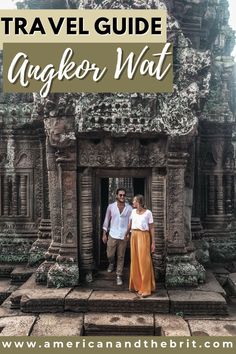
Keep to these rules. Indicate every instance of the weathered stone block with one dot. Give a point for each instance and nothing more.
(118, 324)
(211, 285)
(24, 288)
(16, 326)
(231, 284)
(77, 300)
(5, 270)
(66, 324)
(171, 325)
(119, 302)
(197, 303)
(5, 290)
(48, 300)
(21, 273)
(212, 327)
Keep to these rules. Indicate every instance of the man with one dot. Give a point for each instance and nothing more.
(116, 221)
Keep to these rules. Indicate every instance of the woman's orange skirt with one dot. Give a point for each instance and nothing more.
(141, 269)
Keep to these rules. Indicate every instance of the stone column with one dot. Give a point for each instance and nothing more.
(14, 195)
(60, 130)
(211, 208)
(54, 225)
(41, 245)
(86, 224)
(159, 214)
(196, 225)
(23, 195)
(180, 270)
(228, 194)
(219, 195)
(6, 197)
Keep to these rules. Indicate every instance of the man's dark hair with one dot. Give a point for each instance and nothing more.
(120, 189)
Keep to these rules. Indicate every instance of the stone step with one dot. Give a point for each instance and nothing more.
(124, 301)
(211, 285)
(231, 285)
(113, 324)
(48, 300)
(27, 287)
(194, 302)
(84, 300)
(5, 270)
(77, 300)
(21, 273)
(34, 298)
(5, 289)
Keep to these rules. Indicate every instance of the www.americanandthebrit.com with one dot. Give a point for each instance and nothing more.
(187, 343)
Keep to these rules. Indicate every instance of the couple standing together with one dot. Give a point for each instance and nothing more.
(121, 220)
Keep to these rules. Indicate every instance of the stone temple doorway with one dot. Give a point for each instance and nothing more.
(102, 165)
(135, 181)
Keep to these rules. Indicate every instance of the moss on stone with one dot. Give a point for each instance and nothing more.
(63, 275)
(182, 274)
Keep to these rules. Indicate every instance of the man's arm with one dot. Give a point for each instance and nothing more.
(106, 224)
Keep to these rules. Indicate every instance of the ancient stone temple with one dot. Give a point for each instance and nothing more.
(61, 158)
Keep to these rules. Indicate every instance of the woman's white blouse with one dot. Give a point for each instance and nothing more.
(141, 221)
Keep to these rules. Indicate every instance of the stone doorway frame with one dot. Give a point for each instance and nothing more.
(144, 173)
(89, 201)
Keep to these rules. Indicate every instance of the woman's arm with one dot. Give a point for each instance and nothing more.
(128, 230)
(151, 230)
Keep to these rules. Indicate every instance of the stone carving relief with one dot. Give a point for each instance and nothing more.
(60, 131)
(228, 158)
(129, 153)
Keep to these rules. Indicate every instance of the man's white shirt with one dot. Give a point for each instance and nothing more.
(118, 222)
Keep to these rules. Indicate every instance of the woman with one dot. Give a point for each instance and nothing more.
(142, 244)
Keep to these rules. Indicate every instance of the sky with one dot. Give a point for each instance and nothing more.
(9, 4)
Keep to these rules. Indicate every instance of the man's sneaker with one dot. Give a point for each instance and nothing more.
(119, 280)
(110, 268)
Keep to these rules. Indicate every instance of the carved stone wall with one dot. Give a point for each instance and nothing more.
(21, 191)
(218, 190)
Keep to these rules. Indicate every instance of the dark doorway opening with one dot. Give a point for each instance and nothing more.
(107, 189)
